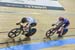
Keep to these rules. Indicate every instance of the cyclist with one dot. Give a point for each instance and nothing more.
(29, 23)
(63, 28)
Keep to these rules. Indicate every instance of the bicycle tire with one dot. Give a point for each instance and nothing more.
(50, 32)
(14, 32)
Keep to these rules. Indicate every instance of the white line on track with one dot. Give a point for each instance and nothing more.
(35, 13)
(14, 12)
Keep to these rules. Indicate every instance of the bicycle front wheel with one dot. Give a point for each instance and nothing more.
(50, 33)
(14, 32)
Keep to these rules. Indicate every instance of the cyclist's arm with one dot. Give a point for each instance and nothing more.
(55, 23)
(19, 23)
(62, 28)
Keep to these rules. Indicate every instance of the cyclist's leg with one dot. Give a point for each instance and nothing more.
(33, 24)
(60, 34)
(60, 31)
(31, 30)
(65, 31)
(31, 27)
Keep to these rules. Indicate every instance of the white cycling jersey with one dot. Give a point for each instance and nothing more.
(31, 20)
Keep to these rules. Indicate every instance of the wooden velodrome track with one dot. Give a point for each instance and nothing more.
(9, 16)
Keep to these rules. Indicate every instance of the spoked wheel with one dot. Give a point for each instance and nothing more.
(49, 33)
(14, 32)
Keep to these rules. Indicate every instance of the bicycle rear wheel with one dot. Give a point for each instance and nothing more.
(14, 32)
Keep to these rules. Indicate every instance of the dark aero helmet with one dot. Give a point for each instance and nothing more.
(24, 20)
(61, 19)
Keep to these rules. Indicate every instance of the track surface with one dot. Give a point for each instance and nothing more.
(9, 16)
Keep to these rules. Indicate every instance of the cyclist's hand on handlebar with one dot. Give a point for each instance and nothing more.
(53, 24)
(17, 23)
